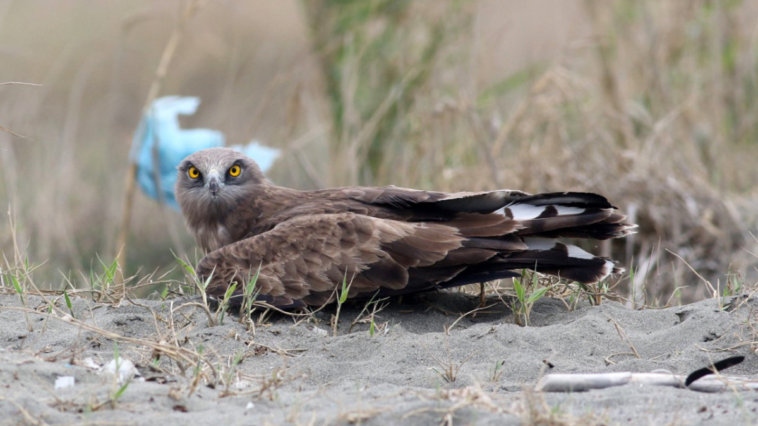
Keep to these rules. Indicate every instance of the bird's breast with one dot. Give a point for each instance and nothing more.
(212, 237)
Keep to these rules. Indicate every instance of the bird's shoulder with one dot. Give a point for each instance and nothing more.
(384, 202)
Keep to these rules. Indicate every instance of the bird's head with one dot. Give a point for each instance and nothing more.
(215, 180)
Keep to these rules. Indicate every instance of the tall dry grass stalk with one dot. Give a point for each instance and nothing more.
(131, 174)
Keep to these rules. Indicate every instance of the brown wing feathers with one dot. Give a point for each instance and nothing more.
(312, 255)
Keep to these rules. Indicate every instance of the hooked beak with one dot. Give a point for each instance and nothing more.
(213, 182)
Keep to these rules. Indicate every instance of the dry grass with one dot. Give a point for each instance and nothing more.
(530, 408)
(534, 410)
(449, 369)
(169, 351)
(651, 103)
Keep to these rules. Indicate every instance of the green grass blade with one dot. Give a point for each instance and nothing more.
(121, 390)
(204, 284)
(225, 302)
(190, 270)
(537, 295)
(164, 293)
(110, 270)
(16, 285)
(251, 283)
(343, 293)
(230, 291)
(92, 279)
(520, 291)
(69, 305)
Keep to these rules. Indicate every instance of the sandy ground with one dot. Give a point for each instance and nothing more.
(300, 374)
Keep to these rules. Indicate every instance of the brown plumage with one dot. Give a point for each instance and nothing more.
(388, 240)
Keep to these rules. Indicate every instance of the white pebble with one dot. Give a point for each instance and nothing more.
(63, 382)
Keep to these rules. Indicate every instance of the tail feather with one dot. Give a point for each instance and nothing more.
(596, 231)
(583, 200)
(538, 226)
(565, 260)
(536, 222)
(567, 214)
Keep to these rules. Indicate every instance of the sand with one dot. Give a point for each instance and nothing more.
(298, 373)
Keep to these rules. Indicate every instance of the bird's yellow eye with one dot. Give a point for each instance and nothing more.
(235, 171)
(193, 173)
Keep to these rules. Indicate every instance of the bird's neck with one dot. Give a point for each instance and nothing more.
(253, 215)
(218, 225)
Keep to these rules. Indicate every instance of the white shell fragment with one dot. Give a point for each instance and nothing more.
(63, 382)
(320, 331)
(90, 363)
(126, 369)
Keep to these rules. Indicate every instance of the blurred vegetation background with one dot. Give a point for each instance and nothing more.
(651, 103)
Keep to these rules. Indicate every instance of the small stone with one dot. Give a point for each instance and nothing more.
(63, 382)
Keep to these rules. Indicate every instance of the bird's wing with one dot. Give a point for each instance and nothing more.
(304, 259)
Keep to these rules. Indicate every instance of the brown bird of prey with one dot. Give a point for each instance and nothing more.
(382, 240)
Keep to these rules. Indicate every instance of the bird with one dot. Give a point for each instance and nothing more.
(301, 246)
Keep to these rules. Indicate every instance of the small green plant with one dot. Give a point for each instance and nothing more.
(101, 283)
(197, 370)
(596, 291)
(526, 296)
(498, 371)
(224, 305)
(573, 300)
(632, 286)
(230, 373)
(117, 359)
(734, 284)
(17, 286)
(22, 295)
(186, 266)
(112, 398)
(69, 305)
(369, 316)
(126, 381)
(249, 296)
(200, 286)
(120, 391)
(196, 285)
(341, 298)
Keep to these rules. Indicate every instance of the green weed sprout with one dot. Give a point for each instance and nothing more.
(341, 298)
(525, 300)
